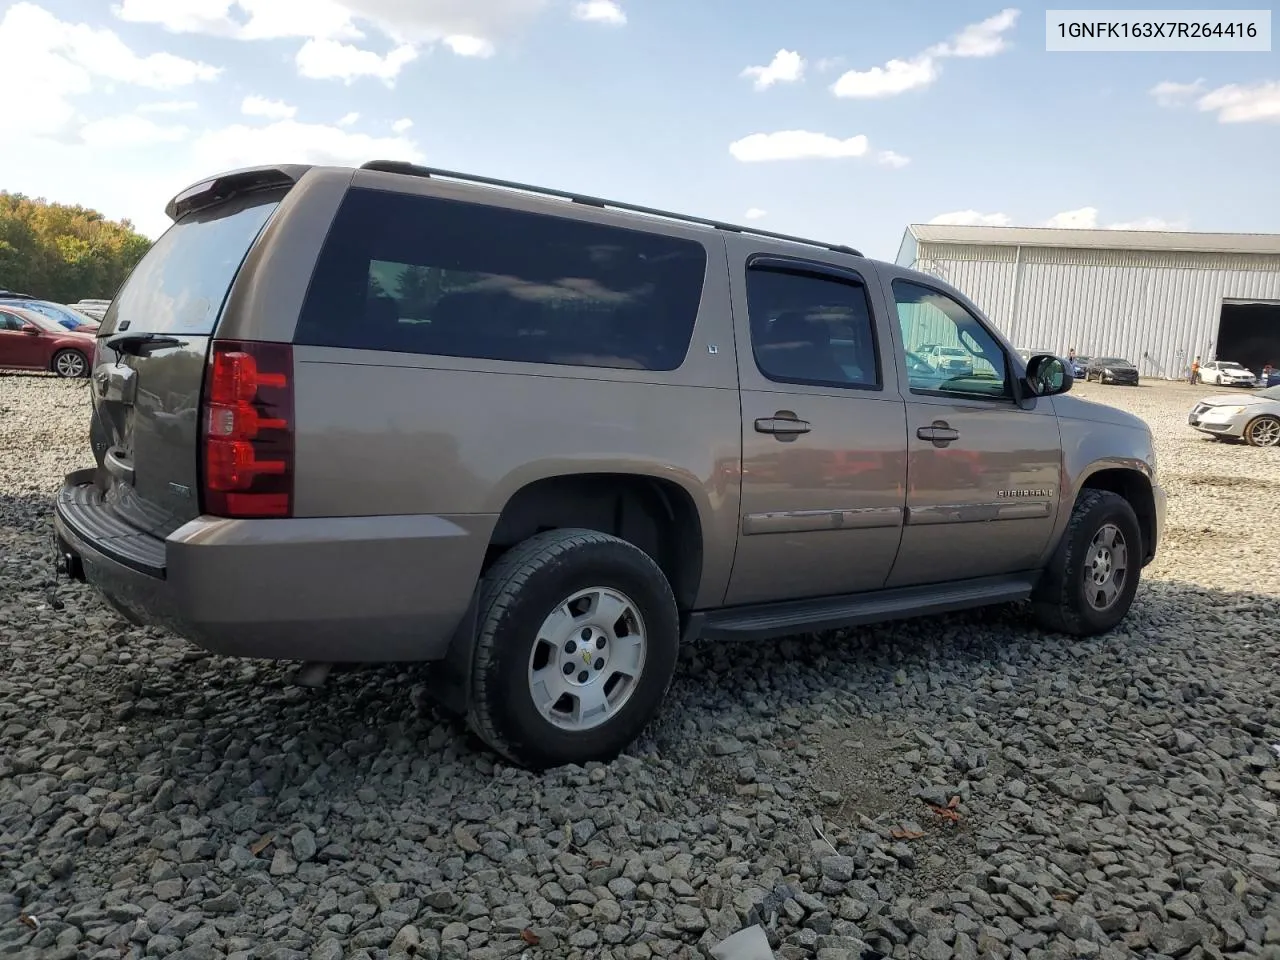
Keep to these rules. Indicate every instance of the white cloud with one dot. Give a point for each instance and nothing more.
(787, 66)
(57, 61)
(888, 158)
(1086, 218)
(895, 77)
(465, 46)
(1170, 94)
(402, 125)
(331, 60)
(167, 106)
(600, 11)
(129, 130)
(1233, 103)
(984, 39)
(755, 213)
(1239, 103)
(470, 24)
(898, 76)
(245, 19)
(348, 119)
(972, 218)
(1149, 223)
(255, 106)
(240, 145)
(796, 145)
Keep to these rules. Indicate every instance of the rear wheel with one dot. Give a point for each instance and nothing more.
(1263, 431)
(70, 364)
(1091, 581)
(576, 648)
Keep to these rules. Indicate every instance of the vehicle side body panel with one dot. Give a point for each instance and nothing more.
(821, 510)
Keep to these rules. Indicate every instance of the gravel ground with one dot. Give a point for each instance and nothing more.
(960, 787)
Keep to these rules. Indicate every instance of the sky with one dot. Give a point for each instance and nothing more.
(840, 120)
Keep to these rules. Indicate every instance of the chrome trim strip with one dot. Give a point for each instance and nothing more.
(978, 512)
(805, 521)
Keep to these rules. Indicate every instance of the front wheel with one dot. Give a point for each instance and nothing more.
(1090, 583)
(1263, 431)
(576, 648)
(70, 364)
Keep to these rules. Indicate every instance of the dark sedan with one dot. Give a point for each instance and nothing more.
(1111, 370)
(31, 341)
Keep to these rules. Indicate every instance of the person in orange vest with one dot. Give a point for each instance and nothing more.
(1195, 371)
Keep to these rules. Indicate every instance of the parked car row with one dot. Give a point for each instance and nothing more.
(68, 317)
(29, 340)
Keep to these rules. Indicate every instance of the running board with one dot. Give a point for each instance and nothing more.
(769, 620)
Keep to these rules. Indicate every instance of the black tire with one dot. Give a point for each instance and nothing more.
(1263, 431)
(526, 585)
(1060, 601)
(70, 364)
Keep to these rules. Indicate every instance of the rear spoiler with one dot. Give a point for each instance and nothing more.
(224, 186)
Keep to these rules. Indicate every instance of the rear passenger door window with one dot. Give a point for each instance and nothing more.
(811, 328)
(424, 275)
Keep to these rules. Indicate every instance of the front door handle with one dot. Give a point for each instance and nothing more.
(939, 433)
(784, 424)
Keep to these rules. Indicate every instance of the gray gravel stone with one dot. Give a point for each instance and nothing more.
(1107, 789)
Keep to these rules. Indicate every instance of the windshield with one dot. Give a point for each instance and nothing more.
(43, 322)
(951, 351)
(1115, 362)
(1230, 365)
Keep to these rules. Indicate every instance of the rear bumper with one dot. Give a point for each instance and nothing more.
(338, 589)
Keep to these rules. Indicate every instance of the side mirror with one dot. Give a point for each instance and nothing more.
(31, 328)
(1048, 376)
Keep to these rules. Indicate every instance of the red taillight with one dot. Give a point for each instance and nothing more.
(248, 430)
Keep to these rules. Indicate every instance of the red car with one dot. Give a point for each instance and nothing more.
(31, 341)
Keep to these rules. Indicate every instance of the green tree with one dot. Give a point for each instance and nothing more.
(64, 253)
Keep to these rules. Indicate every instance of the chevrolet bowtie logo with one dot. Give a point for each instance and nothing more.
(586, 656)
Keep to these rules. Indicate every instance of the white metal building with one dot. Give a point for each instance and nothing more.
(1156, 298)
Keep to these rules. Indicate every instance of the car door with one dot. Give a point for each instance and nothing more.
(823, 431)
(983, 470)
(18, 348)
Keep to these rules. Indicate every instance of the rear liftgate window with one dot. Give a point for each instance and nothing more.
(414, 274)
(180, 284)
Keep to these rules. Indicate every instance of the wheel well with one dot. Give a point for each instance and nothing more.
(658, 516)
(1135, 488)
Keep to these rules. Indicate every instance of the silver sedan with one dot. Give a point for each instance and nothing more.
(1253, 418)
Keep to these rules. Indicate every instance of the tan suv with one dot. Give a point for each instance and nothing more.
(542, 439)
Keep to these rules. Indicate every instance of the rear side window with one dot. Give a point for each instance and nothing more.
(423, 275)
(811, 328)
(180, 285)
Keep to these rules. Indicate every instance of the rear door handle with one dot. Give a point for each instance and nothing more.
(939, 433)
(782, 423)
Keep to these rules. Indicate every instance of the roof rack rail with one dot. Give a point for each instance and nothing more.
(413, 170)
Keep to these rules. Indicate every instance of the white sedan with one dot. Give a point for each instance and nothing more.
(1253, 418)
(1227, 373)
